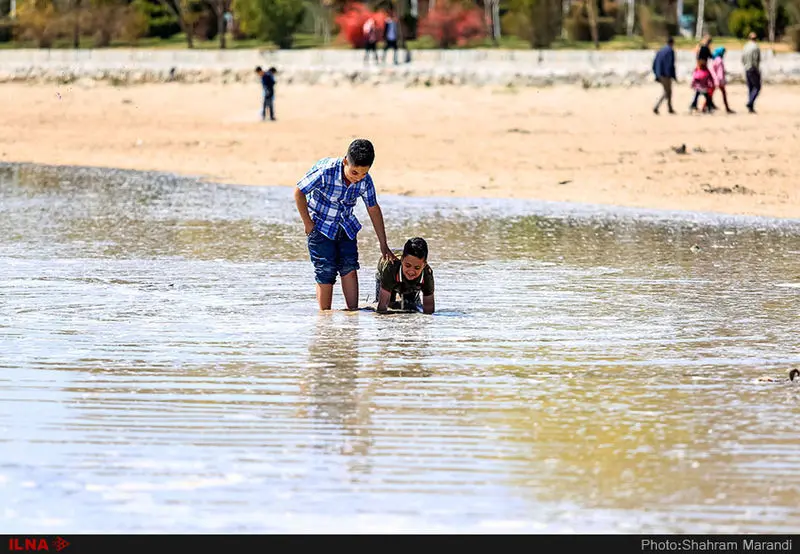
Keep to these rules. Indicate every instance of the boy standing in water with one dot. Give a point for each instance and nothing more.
(325, 198)
(406, 278)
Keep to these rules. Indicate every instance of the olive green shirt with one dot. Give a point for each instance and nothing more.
(392, 279)
(751, 56)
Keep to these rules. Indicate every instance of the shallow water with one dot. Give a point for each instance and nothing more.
(165, 368)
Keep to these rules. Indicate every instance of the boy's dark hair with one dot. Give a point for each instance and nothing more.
(272, 70)
(416, 247)
(258, 69)
(361, 153)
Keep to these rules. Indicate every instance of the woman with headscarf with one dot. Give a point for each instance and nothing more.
(717, 67)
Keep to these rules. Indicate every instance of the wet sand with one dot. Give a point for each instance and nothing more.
(564, 143)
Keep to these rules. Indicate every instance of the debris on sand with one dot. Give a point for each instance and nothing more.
(738, 189)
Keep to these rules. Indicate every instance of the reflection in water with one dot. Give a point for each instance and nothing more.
(403, 348)
(337, 397)
(166, 367)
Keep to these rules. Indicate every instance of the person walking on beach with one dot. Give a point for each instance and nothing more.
(703, 57)
(701, 84)
(751, 60)
(325, 198)
(267, 92)
(390, 36)
(703, 51)
(664, 71)
(370, 31)
(718, 75)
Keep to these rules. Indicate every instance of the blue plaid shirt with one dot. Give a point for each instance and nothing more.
(330, 202)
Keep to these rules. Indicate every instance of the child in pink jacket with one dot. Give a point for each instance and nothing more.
(717, 67)
(702, 83)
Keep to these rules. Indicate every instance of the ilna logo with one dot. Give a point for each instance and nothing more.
(36, 544)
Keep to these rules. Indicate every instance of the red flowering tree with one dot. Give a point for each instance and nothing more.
(351, 23)
(451, 23)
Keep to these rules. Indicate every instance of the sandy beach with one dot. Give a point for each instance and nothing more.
(562, 143)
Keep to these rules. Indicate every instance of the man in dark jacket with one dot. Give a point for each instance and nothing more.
(268, 92)
(664, 70)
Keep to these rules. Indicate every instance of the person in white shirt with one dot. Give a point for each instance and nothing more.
(751, 60)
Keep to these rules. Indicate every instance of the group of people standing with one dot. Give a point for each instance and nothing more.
(390, 36)
(709, 74)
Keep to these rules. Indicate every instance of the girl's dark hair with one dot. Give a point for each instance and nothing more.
(416, 247)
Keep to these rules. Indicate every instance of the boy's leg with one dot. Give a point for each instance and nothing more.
(347, 265)
(324, 296)
(322, 252)
(271, 106)
(350, 289)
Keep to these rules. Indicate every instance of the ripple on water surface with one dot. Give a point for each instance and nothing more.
(166, 369)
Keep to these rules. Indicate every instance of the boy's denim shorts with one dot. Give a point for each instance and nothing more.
(332, 256)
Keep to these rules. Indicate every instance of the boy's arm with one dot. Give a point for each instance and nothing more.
(376, 215)
(309, 182)
(428, 304)
(383, 300)
(302, 208)
(428, 288)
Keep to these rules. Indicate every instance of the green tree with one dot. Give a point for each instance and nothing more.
(181, 10)
(273, 20)
(793, 9)
(537, 21)
(161, 21)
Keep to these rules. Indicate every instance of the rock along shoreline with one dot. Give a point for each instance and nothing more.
(509, 68)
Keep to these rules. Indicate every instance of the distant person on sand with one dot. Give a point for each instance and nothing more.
(703, 57)
(718, 74)
(390, 36)
(751, 60)
(398, 283)
(702, 83)
(664, 71)
(703, 51)
(325, 199)
(370, 31)
(268, 92)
